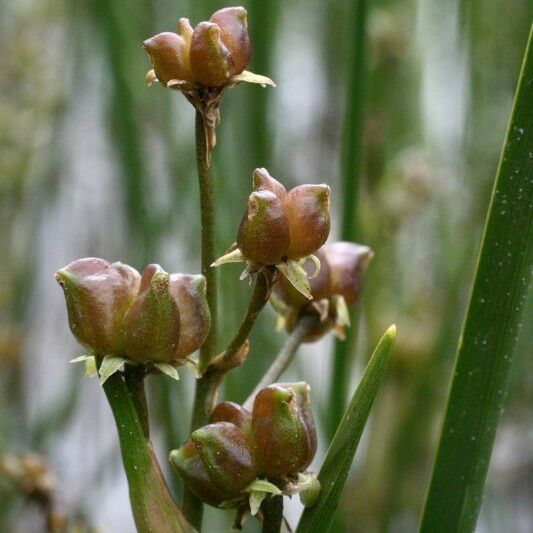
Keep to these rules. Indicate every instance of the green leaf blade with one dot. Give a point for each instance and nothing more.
(340, 455)
(484, 355)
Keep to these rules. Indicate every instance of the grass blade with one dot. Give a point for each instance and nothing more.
(340, 455)
(479, 385)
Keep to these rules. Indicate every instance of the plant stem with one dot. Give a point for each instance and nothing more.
(207, 220)
(352, 148)
(134, 379)
(284, 357)
(151, 502)
(192, 506)
(272, 509)
(258, 300)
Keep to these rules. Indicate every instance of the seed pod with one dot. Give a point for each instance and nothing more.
(264, 232)
(263, 181)
(211, 62)
(98, 295)
(226, 455)
(187, 463)
(348, 262)
(234, 34)
(307, 208)
(152, 324)
(283, 429)
(195, 319)
(234, 413)
(169, 55)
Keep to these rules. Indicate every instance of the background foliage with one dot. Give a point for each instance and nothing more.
(92, 162)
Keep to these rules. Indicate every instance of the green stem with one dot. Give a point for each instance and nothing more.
(192, 506)
(134, 378)
(151, 502)
(284, 357)
(272, 509)
(352, 149)
(207, 220)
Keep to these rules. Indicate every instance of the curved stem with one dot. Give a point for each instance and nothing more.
(258, 300)
(284, 357)
(272, 509)
(151, 502)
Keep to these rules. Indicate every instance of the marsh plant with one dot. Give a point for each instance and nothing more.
(244, 459)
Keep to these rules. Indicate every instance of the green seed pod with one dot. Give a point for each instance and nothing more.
(264, 232)
(234, 34)
(98, 295)
(195, 319)
(263, 181)
(169, 55)
(348, 262)
(233, 413)
(283, 429)
(152, 324)
(211, 62)
(307, 208)
(188, 465)
(226, 455)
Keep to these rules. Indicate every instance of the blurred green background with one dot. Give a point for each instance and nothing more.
(405, 102)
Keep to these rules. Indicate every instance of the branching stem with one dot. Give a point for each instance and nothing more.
(284, 357)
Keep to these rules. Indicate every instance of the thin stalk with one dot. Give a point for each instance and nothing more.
(490, 331)
(134, 379)
(272, 510)
(284, 357)
(352, 149)
(192, 506)
(151, 502)
(207, 220)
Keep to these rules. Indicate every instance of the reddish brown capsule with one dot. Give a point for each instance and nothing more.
(308, 214)
(158, 317)
(187, 463)
(189, 293)
(152, 324)
(169, 55)
(234, 34)
(208, 55)
(234, 413)
(283, 429)
(348, 262)
(227, 456)
(98, 295)
(264, 231)
(280, 225)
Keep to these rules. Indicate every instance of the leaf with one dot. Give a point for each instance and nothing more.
(249, 77)
(264, 486)
(235, 256)
(296, 276)
(489, 335)
(81, 358)
(169, 370)
(109, 366)
(255, 500)
(340, 455)
(90, 367)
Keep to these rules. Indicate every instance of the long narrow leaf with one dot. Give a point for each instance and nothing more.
(340, 455)
(478, 390)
